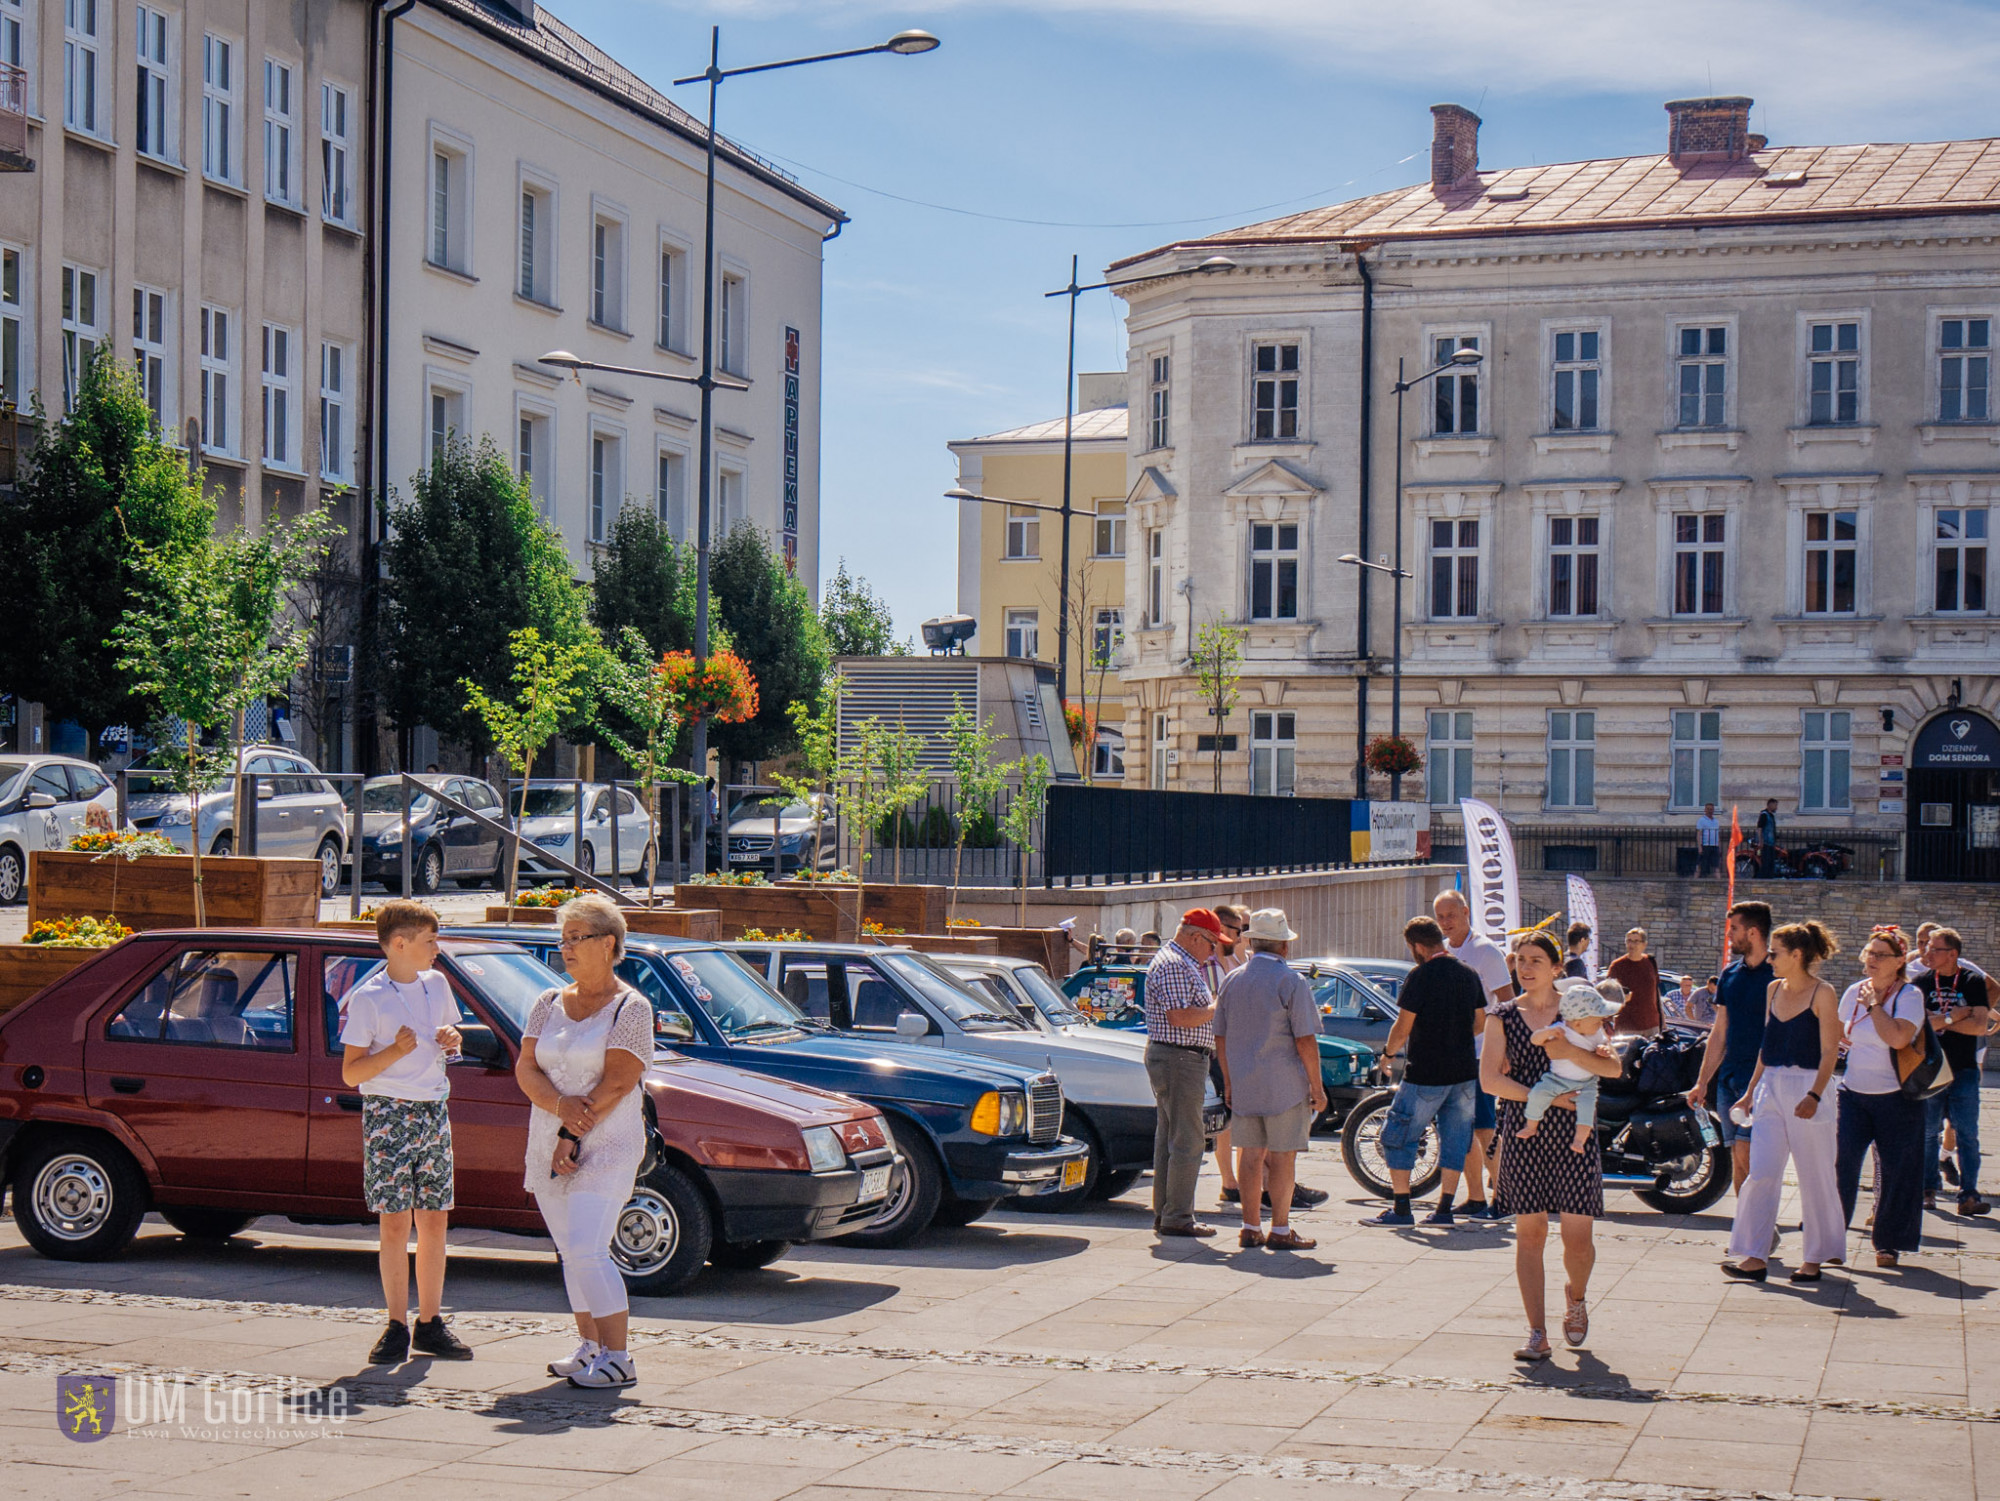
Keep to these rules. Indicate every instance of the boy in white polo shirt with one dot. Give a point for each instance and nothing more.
(396, 1027)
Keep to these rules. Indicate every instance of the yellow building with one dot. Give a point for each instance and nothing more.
(1010, 556)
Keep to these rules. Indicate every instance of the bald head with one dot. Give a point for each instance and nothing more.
(1453, 916)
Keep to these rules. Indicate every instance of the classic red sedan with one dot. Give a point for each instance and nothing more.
(198, 1073)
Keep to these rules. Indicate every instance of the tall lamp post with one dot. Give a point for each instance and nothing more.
(1460, 359)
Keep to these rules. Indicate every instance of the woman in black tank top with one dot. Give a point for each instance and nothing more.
(1790, 1117)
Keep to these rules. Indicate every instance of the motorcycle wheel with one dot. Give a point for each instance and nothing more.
(1361, 1149)
(1818, 868)
(1690, 1185)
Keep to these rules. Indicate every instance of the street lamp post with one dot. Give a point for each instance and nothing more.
(1460, 359)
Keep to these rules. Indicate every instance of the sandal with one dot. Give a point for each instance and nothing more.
(1576, 1320)
(1886, 1258)
(1537, 1347)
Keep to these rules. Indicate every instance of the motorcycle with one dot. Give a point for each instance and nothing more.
(1649, 1138)
(1814, 862)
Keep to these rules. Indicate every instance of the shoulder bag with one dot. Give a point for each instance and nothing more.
(1921, 1067)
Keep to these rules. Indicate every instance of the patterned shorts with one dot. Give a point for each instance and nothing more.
(405, 1154)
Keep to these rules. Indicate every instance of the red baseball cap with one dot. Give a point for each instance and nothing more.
(1201, 917)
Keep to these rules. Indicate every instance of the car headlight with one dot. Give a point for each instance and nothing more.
(175, 818)
(824, 1153)
(1002, 1112)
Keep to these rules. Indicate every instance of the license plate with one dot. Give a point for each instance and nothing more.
(874, 1182)
(1073, 1173)
(1709, 1135)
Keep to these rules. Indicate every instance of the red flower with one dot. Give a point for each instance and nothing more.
(722, 690)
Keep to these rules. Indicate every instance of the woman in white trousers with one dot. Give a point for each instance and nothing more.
(1790, 1116)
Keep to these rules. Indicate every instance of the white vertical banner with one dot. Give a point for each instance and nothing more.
(1493, 881)
(1583, 908)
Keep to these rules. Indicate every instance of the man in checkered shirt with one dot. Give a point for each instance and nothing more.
(1180, 1041)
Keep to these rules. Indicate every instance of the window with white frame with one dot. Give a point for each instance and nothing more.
(1274, 570)
(1572, 758)
(1024, 532)
(218, 380)
(1455, 568)
(1108, 540)
(1573, 565)
(1159, 402)
(1107, 636)
(149, 350)
(673, 290)
(449, 237)
(280, 132)
(153, 129)
(1023, 629)
(1107, 756)
(670, 492)
(1455, 394)
(1958, 540)
(336, 428)
(1833, 373)
(81, 41)
(1965, 362)
(1576, 378)
(336, 153)
(1156, 576)
(81, 331)
(220, 158)
(1826, 757)
(728, 500)
(1274, 392)
(13, 339)
(1832, 541)
(535, 276)
(447, 412)
(13, 34)
(1162, 743)
(1700, 542)
(732, 348)
(607, 271)
(1273, 750)
(1448, 759)
(607, 481)
(534, 455)
(1702, 370)
(280, 402)
(1696, 761)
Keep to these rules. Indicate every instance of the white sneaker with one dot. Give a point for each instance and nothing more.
(569, 1365)
(609, 1369)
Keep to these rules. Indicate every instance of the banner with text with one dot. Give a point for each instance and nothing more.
(1582, 905)
(1492, 880)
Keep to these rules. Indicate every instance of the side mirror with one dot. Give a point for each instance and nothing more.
(266, 791)
(479, 1045)
(673, 1026)
(602, 815)
(912, 1026)
(40, 800)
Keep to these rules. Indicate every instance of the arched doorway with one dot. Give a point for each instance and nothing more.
(1954, 799)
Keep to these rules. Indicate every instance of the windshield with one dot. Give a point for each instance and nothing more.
(930, 980)
(739, 1003)
(387, 797)
(550, 802)
(510, 983)
(11, 773)
(767, 808)
(149, 786)
(1048, 997)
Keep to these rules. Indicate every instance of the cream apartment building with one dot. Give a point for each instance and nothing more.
(1010, 557)
(1709, 522)
(544, 197)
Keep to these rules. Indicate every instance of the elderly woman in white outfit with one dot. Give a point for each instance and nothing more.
(582, 1054)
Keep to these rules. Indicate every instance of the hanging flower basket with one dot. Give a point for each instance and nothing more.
(721, 689)
(1392, 756)
(1081, 723)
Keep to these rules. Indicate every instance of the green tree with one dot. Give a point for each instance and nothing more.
(770, 618)
(211, 635)
(1023, 820)
(856, 620)
(98, 485)
(970, 747)
(817, 726)
(1218, 663)
(904, 783)
(644, 580)
(634, 691)
(469, 565)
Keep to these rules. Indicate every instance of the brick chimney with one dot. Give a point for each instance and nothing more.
(1454, 145)
(1708, 129)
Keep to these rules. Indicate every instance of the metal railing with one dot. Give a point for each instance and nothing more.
(1662, 853)
(14, 119)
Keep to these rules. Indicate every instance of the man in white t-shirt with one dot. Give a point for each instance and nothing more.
(396, 1027)
(1497, 981)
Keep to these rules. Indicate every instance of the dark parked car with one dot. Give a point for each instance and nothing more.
(970, 1131)
(198, 1073)
(776, 834)
(448, 845)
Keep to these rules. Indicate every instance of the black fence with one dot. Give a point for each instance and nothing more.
(1671, 852)
(1107, 835)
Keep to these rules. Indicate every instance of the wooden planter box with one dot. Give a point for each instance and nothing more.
(914, 909)
(157, 891)
(940, 943)
(1048, 947)
(664, 922)
(349, 924)
(824, 910)
(26, 967)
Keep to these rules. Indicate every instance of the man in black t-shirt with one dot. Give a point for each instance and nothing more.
(1955, 996)
(1442, 1006)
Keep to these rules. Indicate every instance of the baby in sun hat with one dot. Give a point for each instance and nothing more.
(1582, 1013)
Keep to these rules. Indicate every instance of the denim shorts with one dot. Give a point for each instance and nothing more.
(1729, 1086)
(1483, 1116)
(1417, 1106)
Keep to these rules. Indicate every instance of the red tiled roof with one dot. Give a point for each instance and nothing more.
(1623, 192)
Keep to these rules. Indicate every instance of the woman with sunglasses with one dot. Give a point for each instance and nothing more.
(1880, 1013)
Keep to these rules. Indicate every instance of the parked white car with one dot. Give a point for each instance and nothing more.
(550, 824)
(1034, 993)
(44, 802)
(299, 814)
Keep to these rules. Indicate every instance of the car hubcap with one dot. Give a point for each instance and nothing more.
(329, 869)
(433, 871)
(899, 1197)
(647, 1235)
(10, 878)
(72, 1197)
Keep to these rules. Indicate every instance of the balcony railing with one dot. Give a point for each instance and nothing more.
(1661, 852)
(14, 120)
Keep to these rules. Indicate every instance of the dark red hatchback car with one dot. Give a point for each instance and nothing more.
(198, 1073)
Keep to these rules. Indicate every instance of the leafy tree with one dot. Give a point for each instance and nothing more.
(635, 683)
(817, 726)
(469, 566)
(98, 486)
(1218, 662)
(904, 783)
(644, 580)
(857, 621)
(1023, 818)
(770, 618)
(970, 746)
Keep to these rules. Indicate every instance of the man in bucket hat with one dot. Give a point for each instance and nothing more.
(1267, 1039)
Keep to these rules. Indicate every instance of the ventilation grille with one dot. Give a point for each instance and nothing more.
(919, 693)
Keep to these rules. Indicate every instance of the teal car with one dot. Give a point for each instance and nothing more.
(1114, 995)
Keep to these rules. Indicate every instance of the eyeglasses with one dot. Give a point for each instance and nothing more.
(570, 943)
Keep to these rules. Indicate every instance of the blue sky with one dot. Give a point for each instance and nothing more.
(1143, 121)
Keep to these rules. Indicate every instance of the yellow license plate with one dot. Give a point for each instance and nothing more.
(1073, 1173)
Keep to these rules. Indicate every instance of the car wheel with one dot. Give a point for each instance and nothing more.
(954, 1212)
(1361, 1148)
(1065, 1201)
(586, 860)
(78, 1196)
(13, 875)
(329, 867)
(429, 874)
(746, 1255)
(1111, 1185)
(225, 845)
(199, 1223)
(663, 1234)
(913, 1198)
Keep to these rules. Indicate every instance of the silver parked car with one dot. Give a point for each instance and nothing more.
(44, 802)
(299, 814)
(549, 823)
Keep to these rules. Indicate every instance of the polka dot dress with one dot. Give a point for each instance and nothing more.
(1542, 1175)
